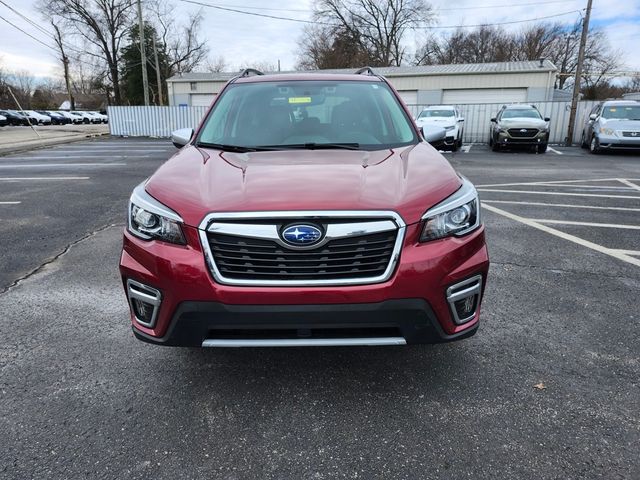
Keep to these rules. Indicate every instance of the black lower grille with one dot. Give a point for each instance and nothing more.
(242, 258)
(523, 132)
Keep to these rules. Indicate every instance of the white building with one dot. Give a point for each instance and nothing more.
(506, 82)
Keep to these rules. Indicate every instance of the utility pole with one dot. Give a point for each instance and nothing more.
(576, 84)
(65, 63)
(158, 77)
(143, 56)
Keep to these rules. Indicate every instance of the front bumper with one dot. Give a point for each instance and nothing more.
(412, 303)
(411, 320)
(618, 143)
(505, 139)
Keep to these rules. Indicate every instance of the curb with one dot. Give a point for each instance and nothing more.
(38, 144)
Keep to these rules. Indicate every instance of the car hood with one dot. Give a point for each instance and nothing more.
(409, 180)
(439, 121)
(631, 125)
(522, 123)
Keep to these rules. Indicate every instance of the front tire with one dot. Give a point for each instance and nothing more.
(542, 148)
(594, 146)
(495, 146)
(583, 141)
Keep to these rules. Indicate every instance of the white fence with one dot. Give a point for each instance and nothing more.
(477, 118)
(161, 121)
(152, 121)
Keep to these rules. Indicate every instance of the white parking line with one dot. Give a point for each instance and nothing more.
(65, 157)
(586, 224)
(149, 148)
(563, 205)
(10, 203)
(58, 165)
(564, 194)
(588, 187)
(550, 182)
(585, 243)
(627, 182)
(629, 252)
(555, 151)
(466, 148)
(31, 179)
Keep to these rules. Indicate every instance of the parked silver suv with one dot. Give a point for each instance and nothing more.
(614, 124)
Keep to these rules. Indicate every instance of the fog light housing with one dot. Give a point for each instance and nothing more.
(464, 299)
(144, 301)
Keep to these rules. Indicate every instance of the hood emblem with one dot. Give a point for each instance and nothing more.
(523, 130)
(301, 235)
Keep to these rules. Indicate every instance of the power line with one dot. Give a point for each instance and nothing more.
(28, 34)
(503, 23)
(30, 21)
(313, 22)
(511, 5)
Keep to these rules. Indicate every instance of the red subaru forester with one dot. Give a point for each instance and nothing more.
(307, 209)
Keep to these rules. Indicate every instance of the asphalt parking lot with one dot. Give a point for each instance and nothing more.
(549, 388)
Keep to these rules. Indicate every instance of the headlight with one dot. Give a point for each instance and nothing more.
(607, 131)
(457, 215)
(151, 220)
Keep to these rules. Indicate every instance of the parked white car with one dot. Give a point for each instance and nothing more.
(100, 116)
(447, 117)
(86, 116)
(42, 119)
(74, 118)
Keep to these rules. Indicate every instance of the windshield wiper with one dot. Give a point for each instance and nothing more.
(230, 148)
(312, 146)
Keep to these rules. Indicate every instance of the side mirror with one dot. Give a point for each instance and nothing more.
(593, 116)
(547, 119)
(461, 120)
(181, 137)
(493, 120)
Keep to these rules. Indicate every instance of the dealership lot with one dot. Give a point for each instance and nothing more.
(548, 388)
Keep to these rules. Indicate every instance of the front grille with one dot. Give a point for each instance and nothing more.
(523, 132)
(631, 134)
(359, 257)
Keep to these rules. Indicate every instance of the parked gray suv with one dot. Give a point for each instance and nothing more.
(612, 125)
(519, 125)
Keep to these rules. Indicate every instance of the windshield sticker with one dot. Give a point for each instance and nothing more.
(299, 99)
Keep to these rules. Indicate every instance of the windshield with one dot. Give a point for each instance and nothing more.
(622, 112)
(436, 113)
(363, 115)
(521, 113)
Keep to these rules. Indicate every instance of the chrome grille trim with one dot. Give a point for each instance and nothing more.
(381, 221)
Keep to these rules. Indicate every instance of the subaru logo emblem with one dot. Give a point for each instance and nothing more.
(523, 130)
(301, 235)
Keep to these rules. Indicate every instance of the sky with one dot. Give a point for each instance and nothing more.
(245, 39)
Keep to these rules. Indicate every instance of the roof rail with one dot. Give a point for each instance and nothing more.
(365, 70)
(248, 71)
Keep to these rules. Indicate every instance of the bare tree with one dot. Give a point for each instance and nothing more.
(183, 44)
(216, 64)
(263, 66)
(102, 25)
(377, 26)
(483, 44)
(322, 47)
(22, 84)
